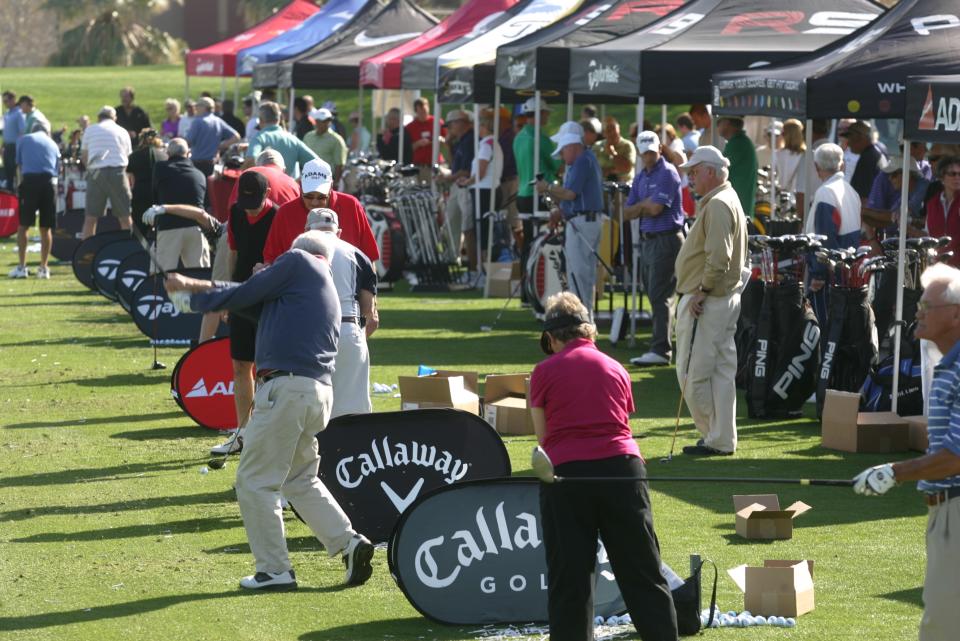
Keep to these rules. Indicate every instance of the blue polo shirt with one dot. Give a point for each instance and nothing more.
(38, 154)
(14, 125)
(583, 179)
(943, 420)
(463, 154)
(205, 135)
(661, 185)
(884, 196)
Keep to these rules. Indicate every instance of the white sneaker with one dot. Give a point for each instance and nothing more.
(356, 560)
(19, 271)
(650, 358)
(231, 446)
(43, 273)
(282, 581)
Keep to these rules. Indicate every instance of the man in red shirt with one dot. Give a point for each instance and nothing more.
(420, 132)
(316, 182)
(283, 188)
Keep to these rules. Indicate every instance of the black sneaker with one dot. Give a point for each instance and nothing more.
(356, 560)
(704, 450)
(267, 581)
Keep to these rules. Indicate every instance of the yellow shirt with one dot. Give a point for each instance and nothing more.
(623, 149)
(715, 251)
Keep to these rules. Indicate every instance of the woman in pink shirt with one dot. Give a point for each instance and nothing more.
(581, 401)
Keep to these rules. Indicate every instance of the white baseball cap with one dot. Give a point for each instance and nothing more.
(570, 133)
(648, 141)
(708, 154)
(321, 114)
(316, 176)
(532, 106)
(895, 164)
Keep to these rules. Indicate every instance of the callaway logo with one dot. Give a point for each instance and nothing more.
(205, 67)
(8, 213)
(948, 114)
(517, 69)
(602, 74)
(362, 40)
(151, 307)
(132, 278)
(219, 389)
(108, 268)
(459, 88)
(491, 537)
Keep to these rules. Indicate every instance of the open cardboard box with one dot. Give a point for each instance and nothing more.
(505, 403)
(759, 516)
(847, 429)
(918, 433)
(779, 588)
(443, 389)
(502, 277)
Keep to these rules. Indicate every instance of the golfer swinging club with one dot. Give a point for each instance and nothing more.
(295, 347)
(711, 273)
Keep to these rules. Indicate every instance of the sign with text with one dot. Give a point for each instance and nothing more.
(132, 271)
(107, 261)
(202, 385)
(157, 318)
(86, 251)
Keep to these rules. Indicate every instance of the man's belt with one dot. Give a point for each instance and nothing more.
(358, 320)
(937, 498)
(646, 235)
(265, 375)
(589, 216)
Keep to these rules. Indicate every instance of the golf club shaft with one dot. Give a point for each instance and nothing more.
(135, 231)
(683, 388)
(705, 479)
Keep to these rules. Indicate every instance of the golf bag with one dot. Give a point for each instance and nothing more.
(877, 392)
(849, 348)
(546, 272)
(751, 301)
(785, 358)
(391, 241)
(885, 302)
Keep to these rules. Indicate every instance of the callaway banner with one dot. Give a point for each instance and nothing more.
(933, 110)
(130, 273)
(157, 318)
(9, 213)
(106, 263)
(202, 385)
(87, 250)
(66, 235)
(376, 465)
(472, 554)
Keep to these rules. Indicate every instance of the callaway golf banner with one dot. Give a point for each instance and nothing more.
(87, 250)
(376, 465)
(106, 264)
(202, 385)
(157, 318)
(933, 109)
(472, 554)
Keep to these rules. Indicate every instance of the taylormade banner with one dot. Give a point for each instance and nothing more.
(473, 553)
(376, 465)
(86, 251)
(107, 261)
(158, 319)
(202, 385)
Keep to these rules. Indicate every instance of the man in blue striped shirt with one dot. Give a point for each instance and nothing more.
(938, 471)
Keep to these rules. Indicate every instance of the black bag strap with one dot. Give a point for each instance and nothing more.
(713, 590)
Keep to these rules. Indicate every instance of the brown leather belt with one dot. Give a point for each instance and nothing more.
(937, 498)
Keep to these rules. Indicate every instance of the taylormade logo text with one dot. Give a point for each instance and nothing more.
(151, 307)
(351, 471)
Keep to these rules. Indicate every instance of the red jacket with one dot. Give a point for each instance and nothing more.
(291, 218)
(283, 188)
(940, 223)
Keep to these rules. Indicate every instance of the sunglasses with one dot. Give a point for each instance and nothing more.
(952, 174)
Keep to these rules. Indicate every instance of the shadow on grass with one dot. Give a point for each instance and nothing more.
(105, 420)
(160, 502)
(413, 628)
(92, 475)
(294, 544)
(131, 608)
(911, 596)
(87, 341)
(189, 526)
(188, 429)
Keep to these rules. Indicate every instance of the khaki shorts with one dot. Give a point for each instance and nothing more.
(107, 184)
(221, 263)
(185, 244)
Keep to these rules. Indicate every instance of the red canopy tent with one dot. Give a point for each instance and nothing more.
(383, 70)
(220, 59)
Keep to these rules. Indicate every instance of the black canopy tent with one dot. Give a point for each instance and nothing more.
(672, 60)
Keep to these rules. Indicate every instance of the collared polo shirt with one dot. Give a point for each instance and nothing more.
(583, 179)
(943, 420)
(662, 186)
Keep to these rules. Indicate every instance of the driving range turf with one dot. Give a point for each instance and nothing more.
(109, 531)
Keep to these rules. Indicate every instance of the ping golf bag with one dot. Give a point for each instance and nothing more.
(884, 306)
(877, 390)
(785, 359)
(751, 301)
(849, 347)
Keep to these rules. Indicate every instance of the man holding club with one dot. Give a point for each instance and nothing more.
(296, 342)
(585, 431)
(938, 471)
(711, 273)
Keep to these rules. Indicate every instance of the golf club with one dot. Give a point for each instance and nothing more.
(513, 292)
(135, 231)
(683, 391)
(543, 469)
(218, 462)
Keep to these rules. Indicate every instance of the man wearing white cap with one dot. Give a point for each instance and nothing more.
(580, 207)
(356, 283)
(710, 276)
(326, 143)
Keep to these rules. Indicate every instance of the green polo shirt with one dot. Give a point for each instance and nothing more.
(523, 154)
(743, 170)
(289, 146)
(329, 146)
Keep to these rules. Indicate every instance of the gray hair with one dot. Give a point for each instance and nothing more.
(719, 171)
(40, 125)
(949, 276)
(315, 242)
(106, 112)
(177, 147)
(271, 157)
(269, 113)
(207, 103)
(828, 157)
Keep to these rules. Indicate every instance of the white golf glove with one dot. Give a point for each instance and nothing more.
(150, 216)
(875, 480)
(181, 301)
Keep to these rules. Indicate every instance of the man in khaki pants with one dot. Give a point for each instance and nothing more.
(710, 275)
(295, 348)
(938, 321)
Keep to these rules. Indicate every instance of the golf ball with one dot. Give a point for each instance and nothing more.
(204, 470)
(759, 620)
(597, 620)
(626, 619)
(613, 621)
(791, 622)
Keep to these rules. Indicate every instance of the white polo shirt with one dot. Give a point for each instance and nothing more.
(107, 145)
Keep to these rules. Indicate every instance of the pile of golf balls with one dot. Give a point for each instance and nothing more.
(744, 619)
(383, 388)
(614, 620)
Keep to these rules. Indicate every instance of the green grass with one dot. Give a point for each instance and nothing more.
(108, 531)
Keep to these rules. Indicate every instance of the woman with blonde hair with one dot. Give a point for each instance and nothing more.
(788, 161)
(169, 127)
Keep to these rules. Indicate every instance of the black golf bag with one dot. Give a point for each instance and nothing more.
(848, 349)
(884, 306)
(877, 391)
(751, 301)
(785, 358)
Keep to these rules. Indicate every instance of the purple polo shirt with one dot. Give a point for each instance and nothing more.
(662, 186)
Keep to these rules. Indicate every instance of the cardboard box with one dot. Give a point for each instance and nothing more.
(419, 392)
(779, 588)
(759, 516)
(505, 404)
(845, 428)
(471, 380)
(918, 433)
(502, 278)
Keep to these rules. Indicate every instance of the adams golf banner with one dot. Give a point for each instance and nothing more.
(376, 465)
(472, 554)
(202, 385)
(933, 109)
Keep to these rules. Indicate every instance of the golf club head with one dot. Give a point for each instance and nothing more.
(542, 465)
(943, 241)
(217, 463)
(667, 458)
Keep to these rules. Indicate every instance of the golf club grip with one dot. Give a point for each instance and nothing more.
(707, 479)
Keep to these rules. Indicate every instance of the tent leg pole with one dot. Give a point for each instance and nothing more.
(236, 91)
(495, 186)
(186, 88)
(223, 88)
(641, 105)
(475, 193)
(663, 123)
(901, 256)
(400, 157)
(773, 169)
(435, 141)
(809, 173)
(569, 105)
(290, 125)
(360, 111)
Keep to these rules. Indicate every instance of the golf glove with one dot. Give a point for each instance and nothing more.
(875, 480)
(150, 216)
(181, 301)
